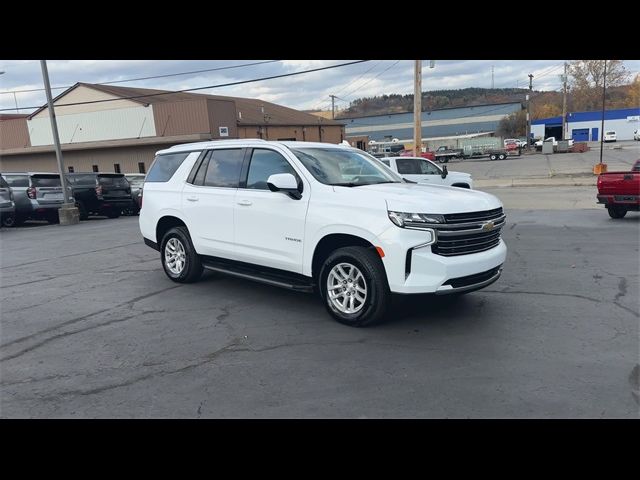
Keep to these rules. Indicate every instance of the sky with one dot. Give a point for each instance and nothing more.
(306, 91)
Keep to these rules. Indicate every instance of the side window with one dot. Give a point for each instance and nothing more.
(386, 162)
(408, 166)
(164, 166)
(198, 178)
(224, 168)
(428, 168)
(265, 163)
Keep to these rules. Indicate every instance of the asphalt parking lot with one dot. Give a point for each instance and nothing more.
(92, 328)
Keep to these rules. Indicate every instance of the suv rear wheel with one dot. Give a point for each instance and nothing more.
(179, 259)
(353, 286)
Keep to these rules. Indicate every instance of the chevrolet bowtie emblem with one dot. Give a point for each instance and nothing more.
(487, 227)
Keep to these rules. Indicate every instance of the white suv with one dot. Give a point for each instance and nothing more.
(315, 216)
(422, 170)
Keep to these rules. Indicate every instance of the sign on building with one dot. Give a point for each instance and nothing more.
(224, 131)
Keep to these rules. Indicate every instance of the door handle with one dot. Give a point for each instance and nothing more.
(193, 198)
(244, 203)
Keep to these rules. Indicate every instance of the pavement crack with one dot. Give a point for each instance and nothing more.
(622, 289)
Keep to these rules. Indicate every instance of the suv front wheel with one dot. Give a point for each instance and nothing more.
(354, 287)
(180, 261)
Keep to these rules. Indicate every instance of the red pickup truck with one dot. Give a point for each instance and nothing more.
(620, 191)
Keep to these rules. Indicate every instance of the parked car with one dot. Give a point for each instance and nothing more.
(37, 196)
(421, 170)
(620, 191)
(610, 136)
(316, 216)
(7, 207)
(443, 153)
(136, 180)
(538, 144)
(100, 193)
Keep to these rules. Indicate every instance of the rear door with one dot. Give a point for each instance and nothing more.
(114, 186)
(48, 188)
(208, 201)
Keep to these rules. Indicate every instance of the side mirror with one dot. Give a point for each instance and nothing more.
(445, 172)
(286, 183)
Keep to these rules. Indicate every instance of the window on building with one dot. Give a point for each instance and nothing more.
(286, 139)
(95, 168)
(116, 168)
(224, 168)
(141, 167)
(70, 169)
(265, 163)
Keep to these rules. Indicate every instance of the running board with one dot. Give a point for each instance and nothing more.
(277, 278)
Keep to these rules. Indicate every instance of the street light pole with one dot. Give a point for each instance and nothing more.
(604, 90)
(67, 213)
(417, 108)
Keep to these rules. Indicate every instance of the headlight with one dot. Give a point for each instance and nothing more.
(414, 220)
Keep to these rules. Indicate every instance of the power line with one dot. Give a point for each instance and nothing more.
(197, 88)
(149, 78)
(373, 78)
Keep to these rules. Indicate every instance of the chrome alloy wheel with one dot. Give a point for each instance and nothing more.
(346, 288)
(174, 256)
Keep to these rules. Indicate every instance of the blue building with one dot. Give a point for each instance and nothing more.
(587, 126)
(435, 123)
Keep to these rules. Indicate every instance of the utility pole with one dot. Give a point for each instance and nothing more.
(529, 111)
(67, 213)
(604, 90)
(333, 106)
(564, 104)
(417, 108)
(492, 84)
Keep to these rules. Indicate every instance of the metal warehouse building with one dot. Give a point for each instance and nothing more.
(435, 123)
(105, 130)
(587, 126)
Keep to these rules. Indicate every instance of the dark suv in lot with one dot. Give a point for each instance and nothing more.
(37, 196)
(7, 207)
(100, 193)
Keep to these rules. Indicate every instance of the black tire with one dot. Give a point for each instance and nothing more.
(82, 211)
(492, 156)
(378, 296)
(9, 221)
(617, 212)
(192, 270)
(502, 156)
(113, 213)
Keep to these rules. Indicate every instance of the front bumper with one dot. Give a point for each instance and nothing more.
(426, 272)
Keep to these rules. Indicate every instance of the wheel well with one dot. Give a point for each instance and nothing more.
(460, 185)
(164, 224)
(331, 243)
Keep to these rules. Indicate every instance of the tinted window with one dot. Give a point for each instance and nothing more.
(113, 181)
(17, 180)
(386, 162)
(3, 183)
(45, 181)
(164, 166)
(408, 166)
(224, 168)
(265, 163)
(428, 168)
(83, 179)
(636, 166)
(198, 178)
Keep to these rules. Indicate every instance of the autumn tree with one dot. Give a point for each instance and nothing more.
(514, 125)
(587, 80)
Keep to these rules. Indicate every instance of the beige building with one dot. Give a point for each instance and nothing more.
(107, 128)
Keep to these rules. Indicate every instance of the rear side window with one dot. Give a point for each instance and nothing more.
(164, 166)
(408, 166)
(45, 181)
(224, 168)
(17, 180)
(113, 181)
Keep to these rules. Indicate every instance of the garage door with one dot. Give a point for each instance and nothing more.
(580, 134)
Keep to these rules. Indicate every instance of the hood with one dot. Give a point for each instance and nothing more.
(422, 198)
(458, 174)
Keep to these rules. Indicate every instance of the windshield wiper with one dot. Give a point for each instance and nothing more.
(347, 184)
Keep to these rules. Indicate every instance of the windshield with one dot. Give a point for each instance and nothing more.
(344, 167)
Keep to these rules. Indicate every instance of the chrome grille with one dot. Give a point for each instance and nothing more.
(465, 233)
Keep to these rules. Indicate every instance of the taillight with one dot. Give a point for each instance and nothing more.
(99, 190)
(31, 193)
